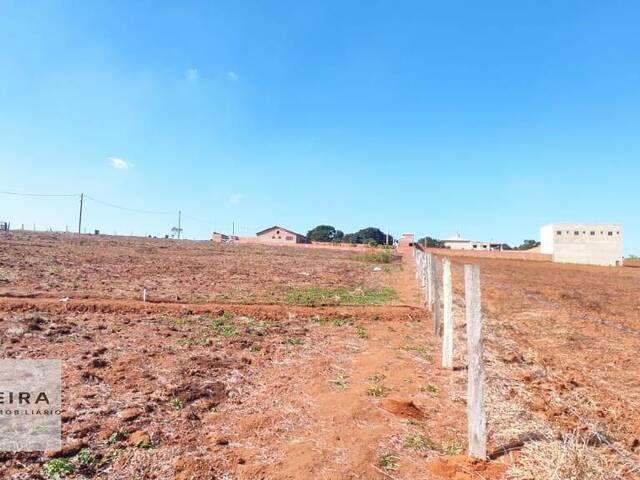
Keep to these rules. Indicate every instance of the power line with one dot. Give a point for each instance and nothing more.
(130, 209)
(41, 194)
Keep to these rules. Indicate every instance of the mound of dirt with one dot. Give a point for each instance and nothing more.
(406, 409)
(461, 467)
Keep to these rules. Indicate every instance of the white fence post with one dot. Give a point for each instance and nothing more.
(431, 280)
(476, 416)
(437, 297)
(447, 296)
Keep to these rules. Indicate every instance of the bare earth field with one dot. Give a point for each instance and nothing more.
(47, 265)
(225, 375)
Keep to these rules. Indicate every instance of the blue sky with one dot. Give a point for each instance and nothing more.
(486, 119)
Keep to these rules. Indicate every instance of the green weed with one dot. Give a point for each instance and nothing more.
(377, 377)
(223, 326)
(429, 388)
(85, 458)
(378, 391)
(388, 461)
(361, 332)
(175, 403)
(340, 382)
(422, 443)
(382, 256)
(118, 436)
(316, 296)
(422, 352)
(57, 468)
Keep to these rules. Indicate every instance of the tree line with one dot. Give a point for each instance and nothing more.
(369, 235)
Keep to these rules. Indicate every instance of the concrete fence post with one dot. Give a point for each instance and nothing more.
(431, 280)
(437, 297)
(476, 417)
(447, 327)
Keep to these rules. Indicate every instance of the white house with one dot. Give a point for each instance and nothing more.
(459, 243)
(592, 243)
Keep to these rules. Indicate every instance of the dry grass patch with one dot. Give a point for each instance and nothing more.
(569, 459)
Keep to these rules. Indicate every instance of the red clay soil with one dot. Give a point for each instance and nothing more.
(269, 399)
(65, 265)
(206, 391)
(568, 338)
(460, 467)
(222, 389)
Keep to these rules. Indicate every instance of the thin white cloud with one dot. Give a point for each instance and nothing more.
(119, 163)
(233, 76)
(236, 198)
(192, 75)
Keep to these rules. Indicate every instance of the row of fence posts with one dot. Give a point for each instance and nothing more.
(434, 277)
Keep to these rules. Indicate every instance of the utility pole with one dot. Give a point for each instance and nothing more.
(233, 228)
(80, 216)
(179, 220)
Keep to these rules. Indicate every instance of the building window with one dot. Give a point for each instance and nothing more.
(278, 231)
(576, 232)
(559, 232)
(610, 234)
(593, 233)
(273, 238)
(289, 238)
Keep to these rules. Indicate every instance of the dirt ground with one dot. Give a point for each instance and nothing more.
(54, 264)
(562, 345)
(246, 387)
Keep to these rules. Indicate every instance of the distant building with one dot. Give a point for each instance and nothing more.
(459, 243)
(221, 237)
(592, 244)
(277, 234)
(407, 240)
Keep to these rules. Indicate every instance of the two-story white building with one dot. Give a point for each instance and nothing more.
(592, 244)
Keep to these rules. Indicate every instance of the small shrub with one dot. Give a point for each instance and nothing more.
(361, 332)
(223, 326)
(118, 436)
(293, 341)
(340, 382)
(377, 377)
(378, 391)
(388, 461)
(85, 458)
(429, 388)
(175, 403)
(422, 352)
(57, 468)
(340, 322)
(382, 256)
(419, 442)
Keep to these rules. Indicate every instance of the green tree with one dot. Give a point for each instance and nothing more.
(370, 235)
(323, 233)
(528, 244)
(431, 242)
